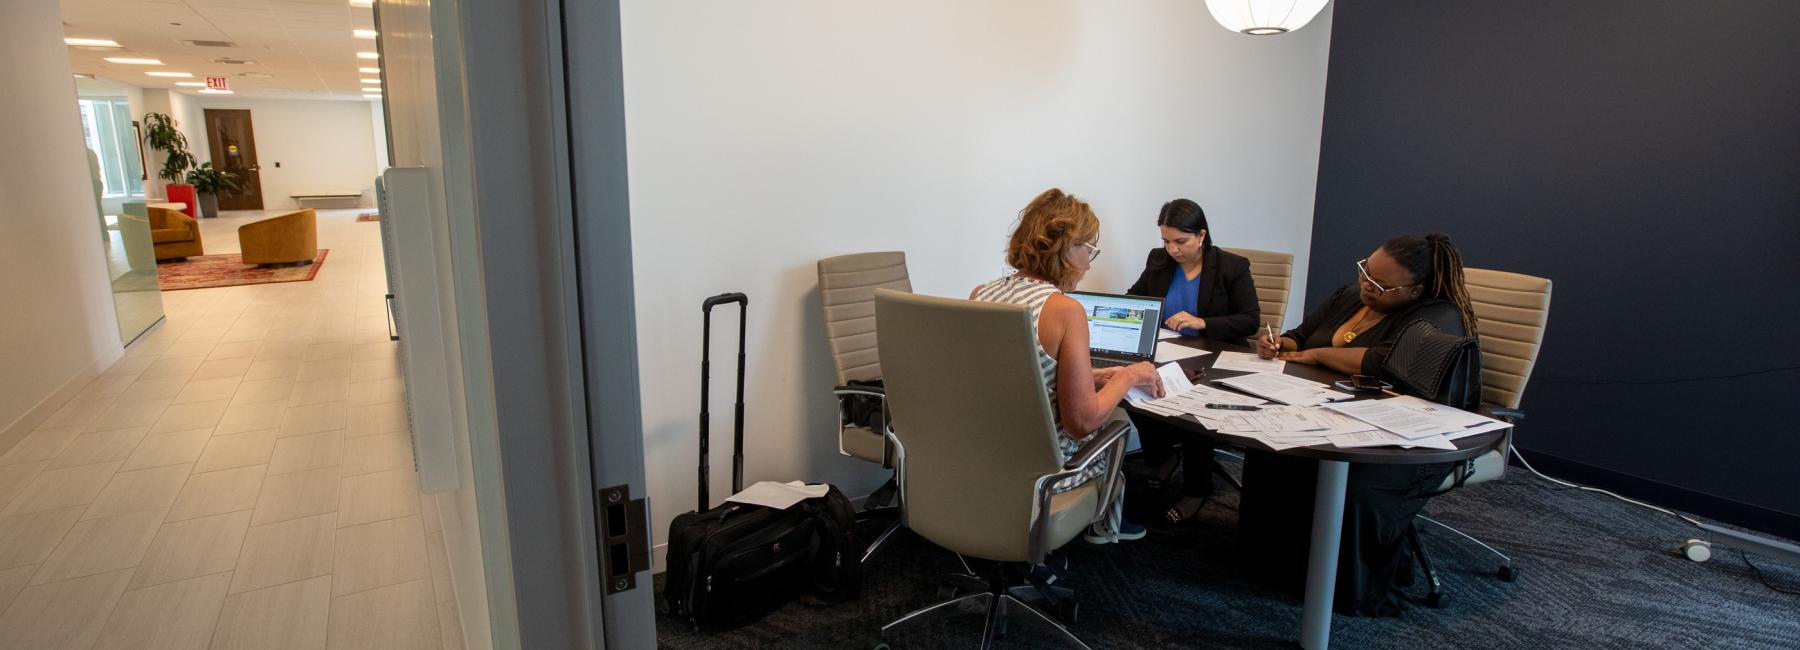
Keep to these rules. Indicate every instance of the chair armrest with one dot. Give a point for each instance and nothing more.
(1509, 415)
(1109, 444)
(1095, 446)
(872, 391)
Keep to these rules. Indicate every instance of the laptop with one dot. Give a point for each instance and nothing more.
(1121, 329)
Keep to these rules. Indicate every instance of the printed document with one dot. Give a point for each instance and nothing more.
(1284, 388)
(1166, 352)
(1246, 362)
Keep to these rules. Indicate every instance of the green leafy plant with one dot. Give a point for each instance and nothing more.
(160, 133)
(212, 180)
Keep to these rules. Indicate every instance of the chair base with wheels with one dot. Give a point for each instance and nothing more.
(1006, 588)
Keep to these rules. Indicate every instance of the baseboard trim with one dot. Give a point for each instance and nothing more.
(48, 406)
(1737, 513)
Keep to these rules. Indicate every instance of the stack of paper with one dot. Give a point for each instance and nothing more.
(1286, 389)
(1174, 381)
(1166, 352)
(1246, 362)
(1413, 422)
(779, 496)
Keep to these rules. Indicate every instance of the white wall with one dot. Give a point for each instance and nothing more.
(322, 146)
(59, 326)
(765, 136)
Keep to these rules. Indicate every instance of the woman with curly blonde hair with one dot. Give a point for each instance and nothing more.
(1054, 245)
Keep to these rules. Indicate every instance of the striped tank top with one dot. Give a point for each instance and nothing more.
(1033, 293)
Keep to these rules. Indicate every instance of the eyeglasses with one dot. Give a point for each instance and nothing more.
(1095, 254)
(1362, 266)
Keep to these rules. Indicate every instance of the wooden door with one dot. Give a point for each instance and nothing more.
(233, 144)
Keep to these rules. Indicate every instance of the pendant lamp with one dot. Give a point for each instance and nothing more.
(1264, 17)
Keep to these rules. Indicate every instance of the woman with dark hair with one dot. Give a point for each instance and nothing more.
(1407, 279)
(1205, 292)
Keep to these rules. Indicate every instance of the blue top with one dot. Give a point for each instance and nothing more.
(1184, 295)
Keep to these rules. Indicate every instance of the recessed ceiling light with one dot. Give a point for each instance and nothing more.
(213, 91)
(362, 3)
(369, 70)
(370, 56)
(169, 74)
(369, 96)
(132, 61)
(191, 84)
(363, 33)
(90, 42)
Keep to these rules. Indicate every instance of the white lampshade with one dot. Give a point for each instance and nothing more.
(1264, 17)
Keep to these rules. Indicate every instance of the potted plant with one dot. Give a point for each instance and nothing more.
(162, 135)
(209, 181)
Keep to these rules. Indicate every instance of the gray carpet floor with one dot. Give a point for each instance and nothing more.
(1594, 573)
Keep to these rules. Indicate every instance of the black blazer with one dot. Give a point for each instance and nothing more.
(1227, 300)
(1320, 325)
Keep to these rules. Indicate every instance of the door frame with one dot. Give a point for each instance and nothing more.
(550, 221)
(216, 150)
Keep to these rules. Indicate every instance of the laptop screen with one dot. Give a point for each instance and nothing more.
(1120, 325)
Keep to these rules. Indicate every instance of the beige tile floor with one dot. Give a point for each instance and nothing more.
(242, 479)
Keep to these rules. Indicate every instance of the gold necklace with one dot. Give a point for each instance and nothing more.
(1358, 327)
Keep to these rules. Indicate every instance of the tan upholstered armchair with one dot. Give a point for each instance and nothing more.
(176, 235)
(292, 237)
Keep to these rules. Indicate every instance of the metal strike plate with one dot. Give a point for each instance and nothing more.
(624, 538)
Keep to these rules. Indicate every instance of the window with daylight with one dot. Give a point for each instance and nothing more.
(107, 126)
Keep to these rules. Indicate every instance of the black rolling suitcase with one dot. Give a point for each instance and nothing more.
(732, 564)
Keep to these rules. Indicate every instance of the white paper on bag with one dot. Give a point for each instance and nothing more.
(779, 496)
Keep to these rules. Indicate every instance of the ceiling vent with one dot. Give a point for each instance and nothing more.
(253, 75)
(226, 60)
(208, 43)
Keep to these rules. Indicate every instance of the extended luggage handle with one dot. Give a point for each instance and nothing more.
(737, 438)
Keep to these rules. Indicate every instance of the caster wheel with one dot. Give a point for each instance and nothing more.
(1508, 573)
(1434, 600)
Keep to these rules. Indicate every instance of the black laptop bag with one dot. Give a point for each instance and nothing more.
(733, 564)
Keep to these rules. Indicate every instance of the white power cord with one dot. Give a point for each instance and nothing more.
(1521, 457)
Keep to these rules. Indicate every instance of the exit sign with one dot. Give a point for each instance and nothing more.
(217, 83)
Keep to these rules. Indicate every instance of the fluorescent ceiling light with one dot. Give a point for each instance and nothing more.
(214, 91)
(369, 70)
(191, 84)
(132, 61)
(90, 42)
(371, 81)
(362, 3)
(363, 33)
(371, 96)
(371, 56)
(168, 74)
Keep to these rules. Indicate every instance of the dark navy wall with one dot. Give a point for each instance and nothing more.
(1644, 155)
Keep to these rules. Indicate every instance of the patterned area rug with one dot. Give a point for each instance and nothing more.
(207, 271)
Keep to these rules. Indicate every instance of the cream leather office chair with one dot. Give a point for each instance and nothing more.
(977, 445)
(847, 285)
(1273, 273)
(1511, 311)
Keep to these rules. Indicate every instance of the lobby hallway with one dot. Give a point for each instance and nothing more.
(242, 478)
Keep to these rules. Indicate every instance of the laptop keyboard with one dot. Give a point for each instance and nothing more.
(1110, 363)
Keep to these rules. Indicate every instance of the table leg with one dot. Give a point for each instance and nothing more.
(1321, 565)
